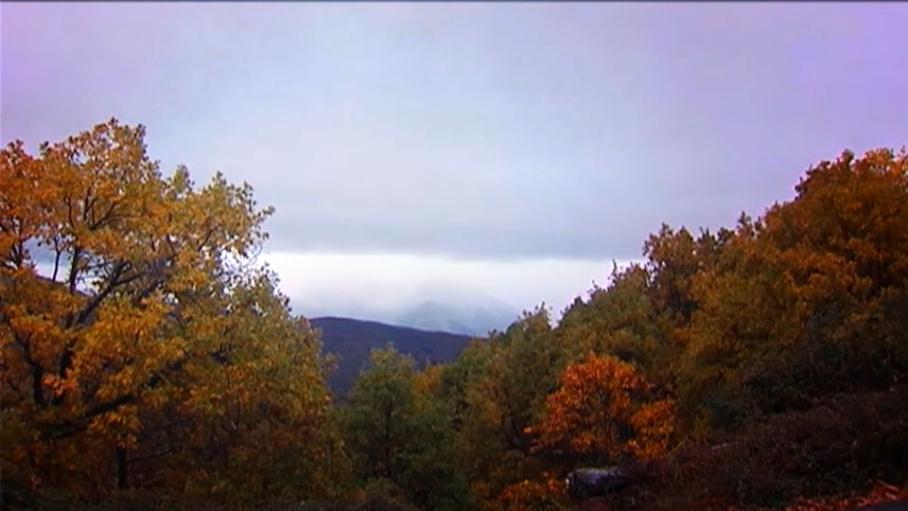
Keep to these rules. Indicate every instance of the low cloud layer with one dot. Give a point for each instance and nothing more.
(432, 291)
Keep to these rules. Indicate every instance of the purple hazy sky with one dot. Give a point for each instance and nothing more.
(477, 155)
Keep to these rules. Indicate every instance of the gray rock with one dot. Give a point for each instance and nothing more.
(583, 483)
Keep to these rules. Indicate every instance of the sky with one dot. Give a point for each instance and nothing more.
(449, 165)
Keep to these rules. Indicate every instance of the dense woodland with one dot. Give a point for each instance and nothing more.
(148, 362)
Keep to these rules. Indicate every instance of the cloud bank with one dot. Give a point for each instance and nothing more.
(439, 292)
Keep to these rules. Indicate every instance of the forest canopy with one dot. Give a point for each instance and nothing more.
(147, 357)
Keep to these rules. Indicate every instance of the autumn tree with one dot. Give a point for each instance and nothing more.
(802, 302)
(843, 243)
(604, 411)
(529, 495)
(135, 326)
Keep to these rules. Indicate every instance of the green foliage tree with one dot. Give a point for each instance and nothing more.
(376, 419)
(674, 258)
(620, 320)
(398, 430)
(503, 400)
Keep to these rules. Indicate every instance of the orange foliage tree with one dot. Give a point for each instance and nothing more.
(529, 495)
(604, 410)
(807, 301)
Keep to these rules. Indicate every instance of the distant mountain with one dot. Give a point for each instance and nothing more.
(460, 319)
(353, 339)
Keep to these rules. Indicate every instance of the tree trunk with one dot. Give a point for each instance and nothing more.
(122, 474)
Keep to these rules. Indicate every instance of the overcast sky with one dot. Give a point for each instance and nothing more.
(483, 157)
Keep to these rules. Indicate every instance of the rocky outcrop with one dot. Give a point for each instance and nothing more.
(583, 483)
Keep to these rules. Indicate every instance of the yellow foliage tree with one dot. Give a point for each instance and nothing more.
(133, 324)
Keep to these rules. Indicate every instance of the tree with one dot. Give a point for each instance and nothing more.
(503, 398)
(133, 320)
(398, 430)
(801, 302)
(673, 259)
(381, 402)
(621, 320)
(603, 411)
(843, 243)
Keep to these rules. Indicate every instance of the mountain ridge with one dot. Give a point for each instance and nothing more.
(395, 325)
(351, 340)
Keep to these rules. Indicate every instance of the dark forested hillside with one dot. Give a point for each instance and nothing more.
(352, 340)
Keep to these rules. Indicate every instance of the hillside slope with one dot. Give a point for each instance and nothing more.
(352, 339)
